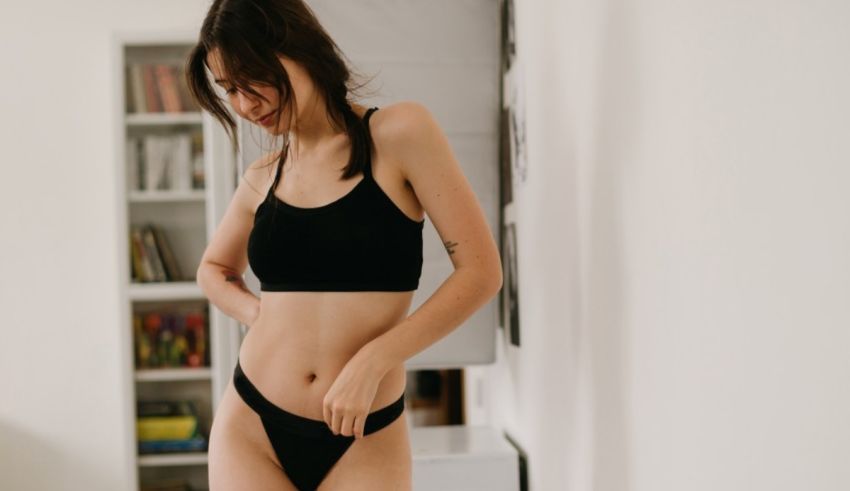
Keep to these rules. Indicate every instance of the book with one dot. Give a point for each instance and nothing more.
(145, 269)
(172, 267)
(153, 252)
(158, 88)
(164, 407)
(151, 428)
(180, 162)
(167, 84)
(157, 150)
(137, 88)
(198, 444)
(152, 100)
(153, 413)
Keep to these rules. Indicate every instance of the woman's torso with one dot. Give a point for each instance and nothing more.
(302, 339)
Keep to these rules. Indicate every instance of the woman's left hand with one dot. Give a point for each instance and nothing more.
(349, 398)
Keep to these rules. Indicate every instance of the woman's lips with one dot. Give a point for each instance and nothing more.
(267, 120)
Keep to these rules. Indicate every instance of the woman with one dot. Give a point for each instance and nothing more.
(331, 223)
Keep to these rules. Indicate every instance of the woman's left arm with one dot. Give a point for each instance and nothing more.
(416, 142)
(425, 157)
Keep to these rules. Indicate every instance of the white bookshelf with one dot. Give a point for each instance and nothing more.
(165, 291)
(177, 459)
(154, 119)
(186, 216)
(165, 196)
(172, 374)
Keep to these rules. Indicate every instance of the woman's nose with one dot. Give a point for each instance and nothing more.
(246, 103)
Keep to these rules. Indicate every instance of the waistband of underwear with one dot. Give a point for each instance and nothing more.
(295, 423)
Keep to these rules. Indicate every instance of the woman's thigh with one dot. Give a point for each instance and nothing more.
(240, 455)
(380, 461)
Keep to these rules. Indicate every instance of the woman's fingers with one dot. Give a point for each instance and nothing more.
(347, 424)
(336, 422)
(359, 424)
(327, 414)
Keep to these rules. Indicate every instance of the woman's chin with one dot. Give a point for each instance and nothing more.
(272, 130)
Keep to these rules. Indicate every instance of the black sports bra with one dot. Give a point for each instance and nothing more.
(359, 242)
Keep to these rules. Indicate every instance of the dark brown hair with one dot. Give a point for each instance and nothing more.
(249, 35)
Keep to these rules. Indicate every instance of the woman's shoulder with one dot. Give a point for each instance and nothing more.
(260, 173)
(401, 119)
(402, 124)
(405, 129)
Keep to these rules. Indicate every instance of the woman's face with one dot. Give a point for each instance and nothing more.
(261, 112)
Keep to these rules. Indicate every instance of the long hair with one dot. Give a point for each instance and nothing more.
(249, 35)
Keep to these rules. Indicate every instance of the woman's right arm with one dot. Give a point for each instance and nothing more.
(225, 259)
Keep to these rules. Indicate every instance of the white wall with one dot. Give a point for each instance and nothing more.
(683, 241)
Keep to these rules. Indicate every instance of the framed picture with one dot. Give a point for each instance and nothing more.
(510, 292)
(512, 170)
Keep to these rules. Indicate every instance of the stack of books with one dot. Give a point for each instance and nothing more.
(172, 162)
(169, 426)
(151, 255)
(157, 88)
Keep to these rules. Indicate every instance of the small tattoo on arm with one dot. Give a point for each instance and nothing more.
(450, 246)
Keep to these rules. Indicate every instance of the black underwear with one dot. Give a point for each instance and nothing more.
(306, 448)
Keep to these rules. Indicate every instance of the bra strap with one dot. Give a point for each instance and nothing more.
(367, 169)
(369, 114)
(276, 180)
